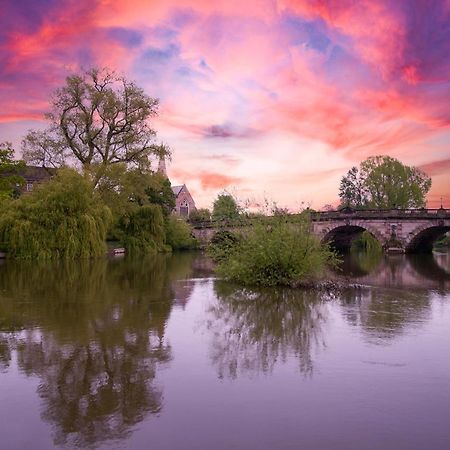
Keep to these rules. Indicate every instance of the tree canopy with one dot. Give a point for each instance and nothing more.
(160, 193)
(97, 119)
(62, 218)
(225, 207)
(10, 178)
(384, 182)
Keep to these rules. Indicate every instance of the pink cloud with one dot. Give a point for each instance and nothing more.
(231, 75)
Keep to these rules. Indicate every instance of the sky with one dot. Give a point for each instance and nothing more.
(268, 99)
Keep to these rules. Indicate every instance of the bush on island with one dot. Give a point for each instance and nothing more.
(276, 254)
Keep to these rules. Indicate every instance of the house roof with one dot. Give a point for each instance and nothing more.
(176, 190)
(32, 173)
(35, 173)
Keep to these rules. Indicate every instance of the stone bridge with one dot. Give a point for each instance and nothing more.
(409, 231)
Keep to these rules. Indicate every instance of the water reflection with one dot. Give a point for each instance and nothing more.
(95, 336)
(397, 271)
(253, 329)
(383, 314)
(93, 332)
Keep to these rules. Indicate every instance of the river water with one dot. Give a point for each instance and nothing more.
(158, 354)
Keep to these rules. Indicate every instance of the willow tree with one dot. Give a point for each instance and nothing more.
(63, 218)
(97, 119)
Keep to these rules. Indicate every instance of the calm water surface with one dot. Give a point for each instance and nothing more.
(157, 354)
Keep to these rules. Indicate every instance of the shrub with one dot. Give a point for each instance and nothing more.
(63, 218)
(277, 254)
(179, 234)
(222, 244)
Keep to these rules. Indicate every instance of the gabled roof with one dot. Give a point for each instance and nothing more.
(177, 189)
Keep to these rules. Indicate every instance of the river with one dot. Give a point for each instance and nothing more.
(158, 354)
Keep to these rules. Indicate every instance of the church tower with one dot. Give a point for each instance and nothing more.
(162, 166)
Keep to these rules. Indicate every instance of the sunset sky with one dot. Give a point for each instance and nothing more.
(270, 99)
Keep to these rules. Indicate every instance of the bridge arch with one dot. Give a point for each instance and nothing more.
(424, 237)
(342, 236)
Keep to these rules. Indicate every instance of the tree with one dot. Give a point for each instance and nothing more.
(392, 184)
(63, 218)
(225, 207)
(160, 193)
(352, 190)
(138, 221)
(200, 215)
(10, 178)
(97, 119)
(142, 229)
(179, 234)
(383, 182)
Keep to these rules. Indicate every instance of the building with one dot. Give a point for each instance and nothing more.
(184, 202)
(35, 175)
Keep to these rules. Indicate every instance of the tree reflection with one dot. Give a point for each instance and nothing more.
(252, 330)
(93, 332)
(384, 314)
(360, 263)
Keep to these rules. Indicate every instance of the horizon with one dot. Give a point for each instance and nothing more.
(267, 99)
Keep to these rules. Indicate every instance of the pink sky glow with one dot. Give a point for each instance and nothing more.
(268, 99)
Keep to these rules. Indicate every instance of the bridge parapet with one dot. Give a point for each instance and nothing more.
(407, 230)
(407, 214)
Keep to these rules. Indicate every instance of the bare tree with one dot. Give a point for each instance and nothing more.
(97, 119)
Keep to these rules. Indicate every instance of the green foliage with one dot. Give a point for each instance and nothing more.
(223, 244)
(124, 191)
(367, 242)
(179, 234)
(142, 229)
(383, 182)
(99, 119)
(63, 218)
(200, 215)
(159, 192)
(225, 207)
(277, 254)
(10, 179)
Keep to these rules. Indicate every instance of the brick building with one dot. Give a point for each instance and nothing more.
(184, 203)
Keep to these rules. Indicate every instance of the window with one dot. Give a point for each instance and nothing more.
(29, 187)
(184, 209)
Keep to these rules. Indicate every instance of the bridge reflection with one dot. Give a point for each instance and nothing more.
(430, 271)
